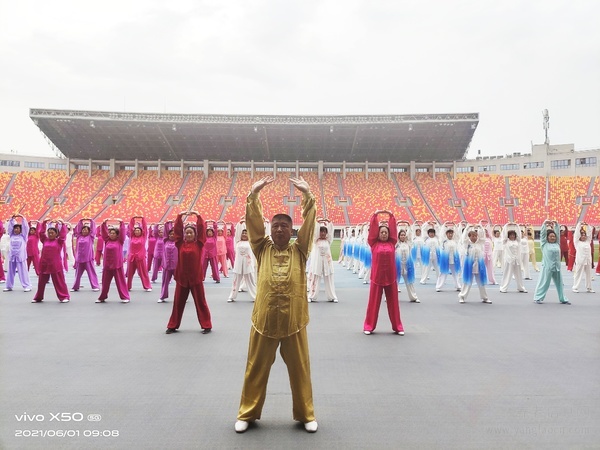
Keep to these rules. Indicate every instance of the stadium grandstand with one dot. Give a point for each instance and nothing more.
(111, 164)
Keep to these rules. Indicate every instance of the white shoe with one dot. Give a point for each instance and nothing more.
(400, 333)
(416, 300)
(160, 300)
(591, 291)
(229, 300)
(486, 300)
(241, 426)
(148, 290)
(6, 290)
(461, 300)
(310, 300)
(367, 332)
(99, 301)
(311, 427)
(125, 301)
(26, 289)
(364, 282)
(73, 290)
(335, 300)
(64, 300)
(575, 290)
(95, 289)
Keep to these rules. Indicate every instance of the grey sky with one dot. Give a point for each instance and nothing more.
(507, 60)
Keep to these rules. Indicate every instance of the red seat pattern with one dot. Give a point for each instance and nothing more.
(562, 198)
(330, 183)
(437, 193)
(531, 192)
(80, 191)
(409, 190)
(147, 195)
(481, 192)
(369, 195)
(216, 186)
(241, 189)
(189, 192)
(32, 191)
(96, 204)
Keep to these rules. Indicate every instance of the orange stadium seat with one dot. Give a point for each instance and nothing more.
(241, 188)
(378, 192)
(437, 193)
(530, 191)
(593, 211)
(562, 198)
(482, 193)
(216, 186)
(31, 192)
(409, 189)
(330, 184)
(95, 207)
(78, 193)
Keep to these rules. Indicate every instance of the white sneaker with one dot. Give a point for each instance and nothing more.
(335, 300)
(73, 290)
(416, 300)
(6, 290)
(125, 301)
(367, 332)
(148, 290)
(229, 300)
(575, 290)
(160, 300)
(461, 300)
(241, 426)
(310, 300)
(591, 291)
(95, 289)
(400, 333)
(64, 300)
(486, 300)
(26, 289)
(311, 427)
(99, 301)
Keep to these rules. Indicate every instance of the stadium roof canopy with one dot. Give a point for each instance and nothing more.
(192, 137)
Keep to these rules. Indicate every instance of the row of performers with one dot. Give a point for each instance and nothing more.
(144, 249)
(443, 248)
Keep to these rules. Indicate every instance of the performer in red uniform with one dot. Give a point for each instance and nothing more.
(188, 275)
(33, 249)
(136, 257)
(113, 261)
(51, 263)
(572, 250)
(382, 240)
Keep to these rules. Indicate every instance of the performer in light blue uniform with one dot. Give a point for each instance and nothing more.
(550, 264)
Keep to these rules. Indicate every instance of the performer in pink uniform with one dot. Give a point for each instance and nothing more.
(382, 240)
(169, 260)
(159, 249)
(152, 238)
(51, 262)
(113, 261)
(222, 250)
(99, 246)
(230, 227)
(84, 231)
(2, 276)
(210, 252)
(189, 242)
(33, 247)
(136, 257)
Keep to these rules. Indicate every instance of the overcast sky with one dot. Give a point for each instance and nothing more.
(507, 60)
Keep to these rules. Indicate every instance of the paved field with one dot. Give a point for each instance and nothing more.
(508, 375)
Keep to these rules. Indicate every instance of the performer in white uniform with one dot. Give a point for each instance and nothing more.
(321, 262)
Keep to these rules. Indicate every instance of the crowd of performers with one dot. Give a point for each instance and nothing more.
(465, 252)
(382, 251)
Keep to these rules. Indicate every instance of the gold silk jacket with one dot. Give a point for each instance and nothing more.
(281, 305)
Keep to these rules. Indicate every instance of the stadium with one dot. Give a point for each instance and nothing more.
(112, 164)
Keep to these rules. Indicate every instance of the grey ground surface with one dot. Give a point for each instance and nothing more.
(513, 374)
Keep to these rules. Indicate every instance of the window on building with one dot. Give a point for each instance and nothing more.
(421, 169)
(6, 162)
(82, 167)
(509, 167)
(560, 164)
(585, 162)
(195, 168)
(104, 167)
(399, 169)
(491, 168)
(57, 166)
(445, 169)
(534, 165)
(151, 168)
(465, 169)
(174, 168)
(34, 165)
